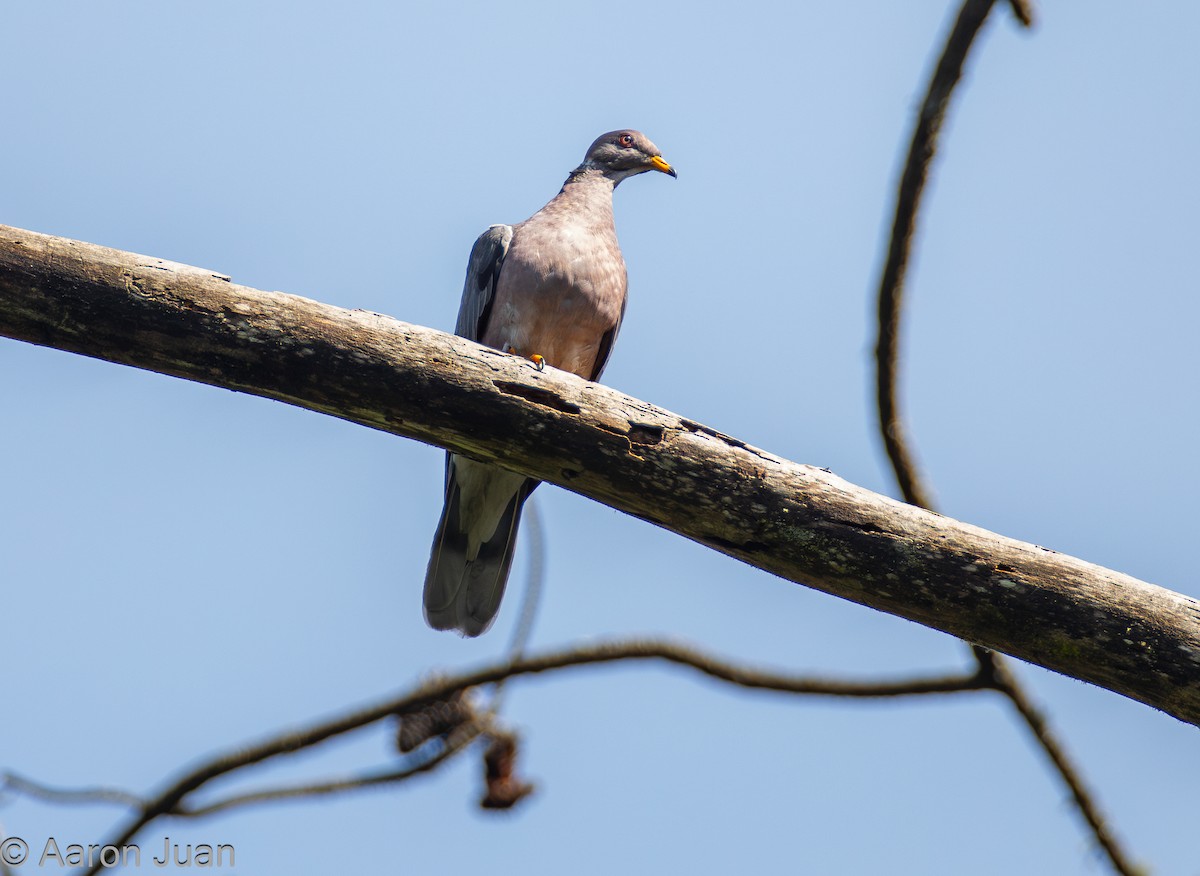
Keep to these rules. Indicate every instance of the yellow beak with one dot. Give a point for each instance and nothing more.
(658, 164)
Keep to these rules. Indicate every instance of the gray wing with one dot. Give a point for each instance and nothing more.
(479, 290)
(606, 345)
(464, 581)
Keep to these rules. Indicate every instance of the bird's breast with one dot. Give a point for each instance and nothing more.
(560, 290)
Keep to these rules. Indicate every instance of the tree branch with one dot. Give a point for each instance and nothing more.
(447, 687)
(171, 802)
(908, 201)
(1035, 721)
(796, 521)
(18, 784)
(376, 779)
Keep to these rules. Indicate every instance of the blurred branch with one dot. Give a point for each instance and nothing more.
(18, 784)
(535, 553)
(12, 782)
(172, 802)
(796, 521)
(912, 486)
(1023, 10)
(376, 779)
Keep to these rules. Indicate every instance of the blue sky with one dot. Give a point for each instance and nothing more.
(183, 569)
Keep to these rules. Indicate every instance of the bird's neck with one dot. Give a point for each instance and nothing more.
(587, 196)
(590, 181)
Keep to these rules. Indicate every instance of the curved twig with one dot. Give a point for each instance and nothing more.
(532, 597)
(1006, 683)
(536, 553)
(457, 743)
(891, 284)
(18, 784)
(887, 355)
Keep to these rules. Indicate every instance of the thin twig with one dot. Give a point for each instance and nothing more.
(912, 486)
(891, 285)
(452, 746)
(170, 801)
(535, 544)
(10, 781)
(1023, 10)
(534, 583)
(1084, 802)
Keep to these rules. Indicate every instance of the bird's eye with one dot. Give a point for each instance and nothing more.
(625, 140)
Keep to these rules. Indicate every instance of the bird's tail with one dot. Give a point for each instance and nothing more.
(463, 593)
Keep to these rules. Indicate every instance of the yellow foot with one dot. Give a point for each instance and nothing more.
(538, 361)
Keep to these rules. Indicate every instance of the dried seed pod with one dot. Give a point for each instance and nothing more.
(436, 720)
(504, 789)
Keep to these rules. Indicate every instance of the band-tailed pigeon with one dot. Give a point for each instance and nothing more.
(551, 289)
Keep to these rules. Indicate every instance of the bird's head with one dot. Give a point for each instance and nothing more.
(621, 154)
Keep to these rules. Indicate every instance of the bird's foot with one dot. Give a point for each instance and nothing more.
(538, 361)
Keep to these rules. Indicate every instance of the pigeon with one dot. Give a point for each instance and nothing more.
(550, 289)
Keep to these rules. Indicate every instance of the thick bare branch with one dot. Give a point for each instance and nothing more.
(796, 521)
